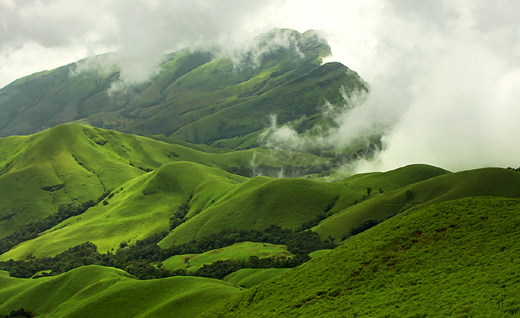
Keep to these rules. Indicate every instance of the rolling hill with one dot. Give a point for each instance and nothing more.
(96, 291)
(478, 182)
(217, 200)
(456, 258)
(72, 164)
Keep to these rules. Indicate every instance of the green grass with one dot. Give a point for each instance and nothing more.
(261, 202)
(90, 161)
(139, 208)
(249, 277)
(143, 206)
(95, 291)
(257, 204)
(236, 252)
(457, 258)
(478, 182)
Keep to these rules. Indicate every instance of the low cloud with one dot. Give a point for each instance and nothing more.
(456, 70)
(140, 31)
(443, 85)
(444, 74)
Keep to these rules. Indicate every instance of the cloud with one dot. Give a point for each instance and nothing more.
(444, 84)
(444, 74)
(457, 97)
(140, 31)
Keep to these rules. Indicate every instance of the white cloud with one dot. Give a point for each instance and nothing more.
(444, 74)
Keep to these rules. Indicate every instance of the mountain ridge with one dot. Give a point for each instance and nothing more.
(223, 100)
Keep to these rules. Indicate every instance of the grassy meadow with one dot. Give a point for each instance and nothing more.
(236, 252)
(457, 258)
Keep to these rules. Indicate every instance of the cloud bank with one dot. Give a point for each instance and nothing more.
(444, 81)
(457, 70)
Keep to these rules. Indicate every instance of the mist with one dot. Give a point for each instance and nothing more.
(443, 75)
(457, 70)
(444, 81)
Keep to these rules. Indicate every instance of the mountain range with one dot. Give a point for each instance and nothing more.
(158, 199)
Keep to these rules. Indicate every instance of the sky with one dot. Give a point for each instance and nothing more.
(444, 75)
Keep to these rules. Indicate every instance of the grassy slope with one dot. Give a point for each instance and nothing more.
(290, 102)
(139, 208)
(236, 252)
(249, 277)
(90, 161)
(479, 182)
(457, 258)
(257, 204)
(220, 200)
(53, 157)
(261, 202)
(95, 291)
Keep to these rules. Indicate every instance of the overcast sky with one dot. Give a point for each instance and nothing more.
(445, 75)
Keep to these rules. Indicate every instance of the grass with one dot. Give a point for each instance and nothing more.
(261, 202)
(249, 277)
(143, 206)
(236, 252)
(89, 161)
(95, 291)
(257, 204)
(458, 258)
(449, 186)
(139, 208)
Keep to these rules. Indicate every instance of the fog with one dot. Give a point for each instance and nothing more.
(443, 75)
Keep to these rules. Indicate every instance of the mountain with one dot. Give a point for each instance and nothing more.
(214, 200)
(223, 99)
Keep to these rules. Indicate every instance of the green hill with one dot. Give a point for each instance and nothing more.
(249, 277)
(72, 164)
(139, 208)
(237, 252)
(217, 200)
(95, 291)
(379, 207)
(261, 202)
(457, 258)
(197, 96)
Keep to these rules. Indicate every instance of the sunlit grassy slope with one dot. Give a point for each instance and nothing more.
(83, 162)
(237, 252)
(457, 258)
(479, 182)
(249, 277)
(220, 200)
(95, 291)
(261, 202)
(139, 208)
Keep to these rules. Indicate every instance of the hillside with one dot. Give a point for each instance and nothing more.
(457, 258)
(200, 97)
(216, 201)
(169, 197)
(444, 187)
(96, 291)
(73, 164)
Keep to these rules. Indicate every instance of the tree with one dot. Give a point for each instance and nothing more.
(369, 190)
